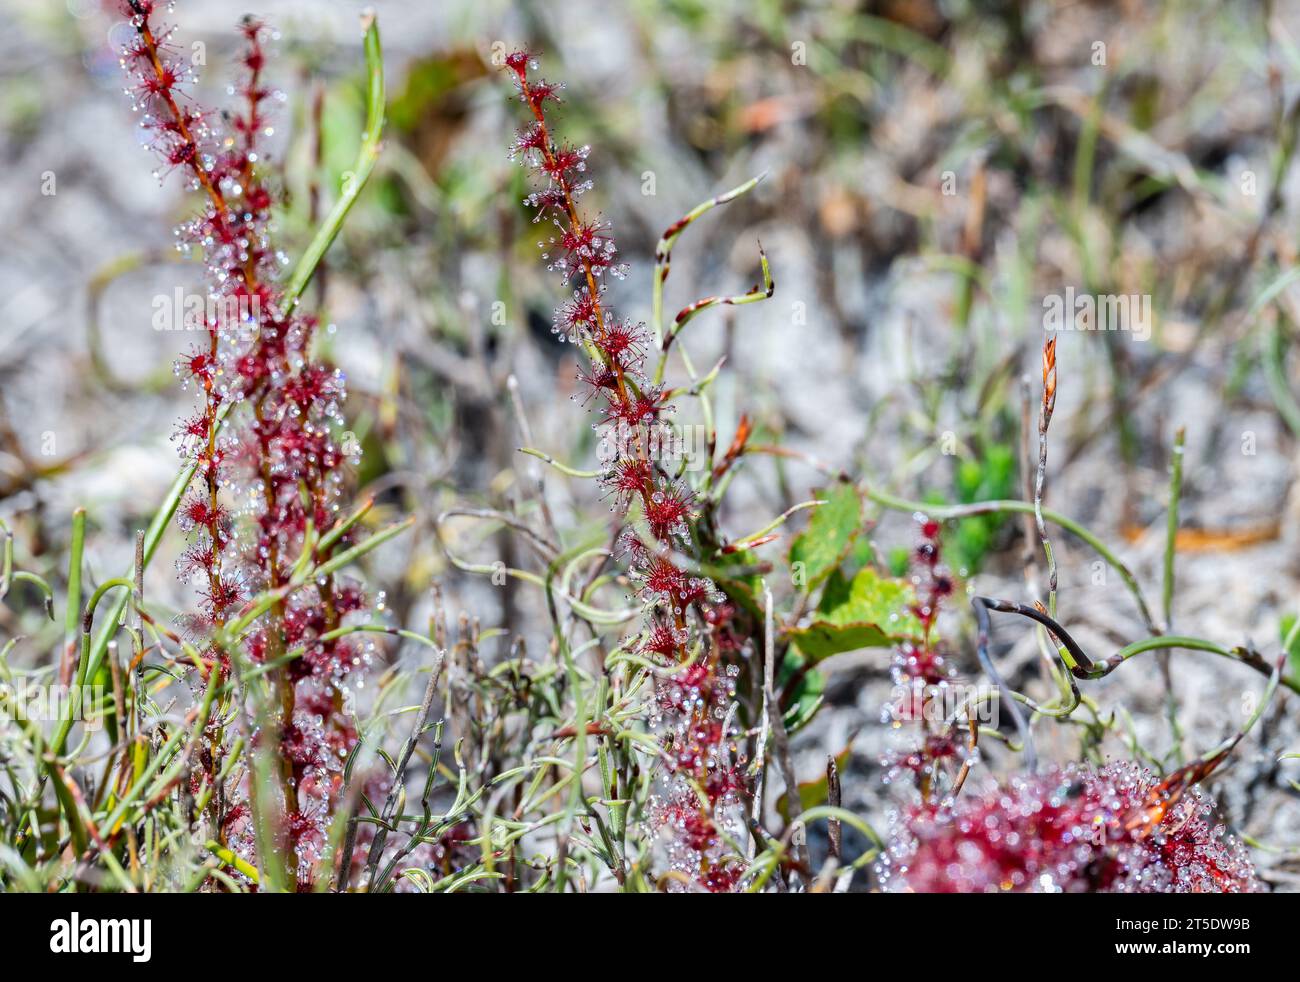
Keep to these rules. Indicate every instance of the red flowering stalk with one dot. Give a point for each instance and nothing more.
(282, 468)
(702, 780)
(1114, 830)
(922, 676)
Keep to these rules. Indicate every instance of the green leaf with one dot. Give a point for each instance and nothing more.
(992, 476)
(365, 163)
(740, 590)
(874, 598)
(801, 703)
(823, 545)
(1293, 653)
(871, 611)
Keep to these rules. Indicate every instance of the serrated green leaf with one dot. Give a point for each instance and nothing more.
(822, 546)
(870, 611)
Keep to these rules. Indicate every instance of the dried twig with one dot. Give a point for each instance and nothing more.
(1044, 421)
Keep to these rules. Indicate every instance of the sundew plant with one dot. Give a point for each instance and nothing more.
(663, 481)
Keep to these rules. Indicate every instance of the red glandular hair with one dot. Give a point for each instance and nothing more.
(1113, 830)
(274, 466)
(921, 673)
(702, 775)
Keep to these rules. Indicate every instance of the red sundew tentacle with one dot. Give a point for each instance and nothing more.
(628, 478)
(668, 507)
(1065, 832)
(281, 406)
(920, 672)
(693, 705)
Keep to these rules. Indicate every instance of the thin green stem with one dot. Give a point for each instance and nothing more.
(360, 173)
(1171, 530)
(895, 503)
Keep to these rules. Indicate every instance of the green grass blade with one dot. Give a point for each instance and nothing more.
(366, 157)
